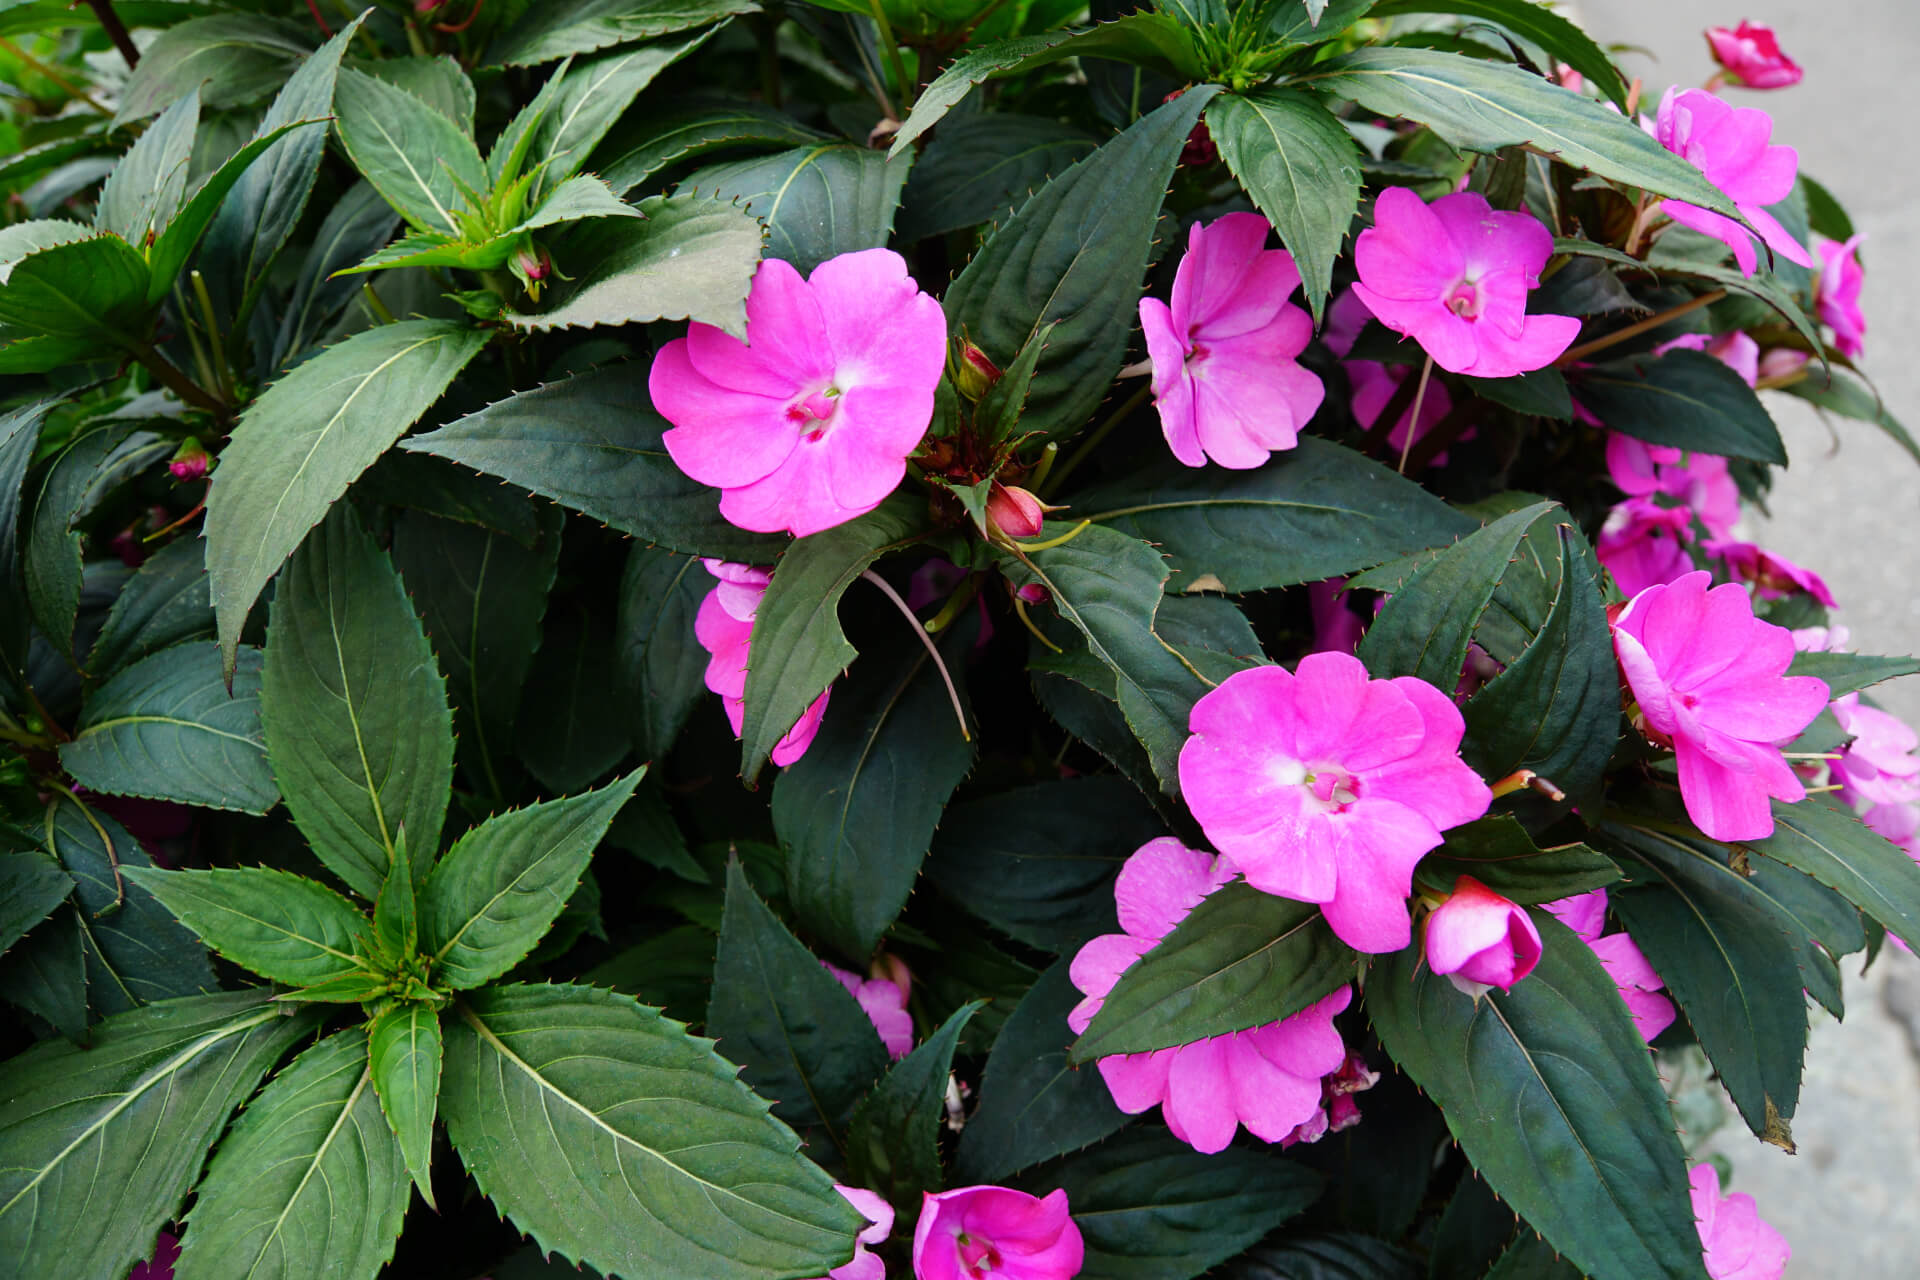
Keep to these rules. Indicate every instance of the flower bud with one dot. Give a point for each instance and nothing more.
(1033, 593)
(973, 371)
(1014, 511)
(1478, 939)
(532, 264)
(1750, 54)
(190, 461)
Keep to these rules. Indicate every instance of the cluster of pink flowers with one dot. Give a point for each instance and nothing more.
(1731, 146)
(1586, 915)
(724, 627)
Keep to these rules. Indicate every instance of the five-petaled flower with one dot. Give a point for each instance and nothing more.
(995, 1233)
(1729, 145)
(724, 628)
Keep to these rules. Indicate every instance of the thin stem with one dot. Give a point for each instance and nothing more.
(1445, 432)
(1050, 543)
(374, 304)
(1637, 328)
(106, 843)
(1413, 423)
(66, 86)
(1020, 611)
(955, 605)
(223, 376)
(314, 9)
(158, 534)
(895, 63)
(1643, 215)
(769, 26)
(933, 650)
(1094, 437)
(116, 30)
(189, 391)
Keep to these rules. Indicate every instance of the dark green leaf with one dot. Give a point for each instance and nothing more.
(417, 157)
(92, 291)
(499, 888)
(141, 195)
(437, 81)
(979, 168)
(1550, 1091)
(1846, 673)
(396, 912)
(1378, 1170)
(177, 243)
(647, 830)
(1837, 849)
(559, 27)
(1686, 399)
(102, 1143)
(646, 146)
(357, 224)
(1670, 256)
(94, 461)
(1853, 399)
(280, 925)
(563, 732)
(1541, 394)
(1530, 21)
(422, 482)
(310, 1181)
(1336, 1255)
(1532, 1258)
(653, 1160)
(45, 974)
(594, 94)
(19, 435)
(1498, 852)
(662, 669)
(893, 1143)
(31, 886)
(403, 1048)
(672, 970)
(230, 58)
(163, 604)
(1240, 959)
(818, 201)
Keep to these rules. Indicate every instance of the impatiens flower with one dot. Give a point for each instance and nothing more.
(1643, 544)
(1834, 639)
(1836, 293)
(1879, 766)
(1326, 786)
(1224, 373)
(1586, 915)
(1479, 939)
(724, 628)
(993, 1233)
(1700, 480)
(1750, 54)
(1898, 823)
(1454, 276)
(885, 1004)
(809, 422)
(1738, 1244)
(1267, 1078)
(1772, 576)
(1336, 627)
(190, 461)
(1710, 678)
(1729, 145)
(1735, 349)
(1374, 386)
(879, 1216)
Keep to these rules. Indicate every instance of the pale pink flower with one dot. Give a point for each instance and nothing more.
(995, 1233)
(724, 628)
(808, 423)
(1480, 940)
(1586, 915)
(1738, 1244)
(1710, 678)
(1643, 544)
(1225, 377)
(1267, 1078)
(1773, 576)
(1454, 276)
(1326, 786)
(1750, 54)
(1700, 480)
(1879, 766)
(885, 1004)
(1734, 349)
(1730, 146)
(879, 1216)
(1836, 293)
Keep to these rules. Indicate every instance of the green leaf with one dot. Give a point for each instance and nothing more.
(858, 810)
(282, 926)
(592, 443)
(228, 59)
(1530, 21)
(1853, 399)
(1425, 627)
(305, 439)
(167, 728)
(646, 146)
(176, 244)
(1302, 168)
(653, 1159)
(979, 168)
(163, 604)
(1034, 1104)
(362, 986)
(1483, 106)
(663, 672)
(45, 974)
(1313, 512)
(23, 16)
(354, 709)
(818, 201)
(1073, 257)
(1038, 862)
(1240, 959)
(560, 27)
(1332, 1255)
(357, 224)
(692, 258)
(437, 81)
(103, 1142)
(310, 1181)
(417, 158)
(1686, 399)
(19, 436)
(141, 195)
(499, 888)
(1498, 852)
(1550, 1091)
(93, 290)
(1837, 849)
(1669, 257)
(403, 1046)
(31, 886)
(563, 732)
(1531, 1258)
(1846, 673)
(893, 1143)
(95, 460)
(420, 482)
(799, 1036)
(396, 918)
(798, 643)
(1542, 393)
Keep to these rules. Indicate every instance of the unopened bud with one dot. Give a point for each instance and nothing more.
(1199, 149)
(1014, 511)
(532, 265)
(1033, 593)
(190, 461)
(974, 372)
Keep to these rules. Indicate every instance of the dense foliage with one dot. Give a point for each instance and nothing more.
(1147, 708)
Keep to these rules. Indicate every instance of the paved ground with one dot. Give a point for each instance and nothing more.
(1847, 507)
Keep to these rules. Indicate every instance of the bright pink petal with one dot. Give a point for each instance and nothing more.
(1097, 966)
(1444, 336)
(1492, 241)
(1725, 803)
(1137, 1081)
(1407, 254)
(1199, 1105)
(1541, 341)
(1584, 913)
(1270, 1097)
(1161, 882)
(724, 437)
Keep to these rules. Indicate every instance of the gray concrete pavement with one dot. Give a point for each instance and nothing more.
(1848, 506)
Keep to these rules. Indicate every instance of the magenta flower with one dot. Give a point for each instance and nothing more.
(879, 1216)
(1879, 766)
(1336, 627)
(1454, 276)
(1750, 54)
(1773, 576)
(1729, 145)
(809, 422)
(1735, 349)
(993, 1233)
(1374, 385)
(1225, 377)
(724, 628)
(1709, 678)
(1700, 480)
(1738, 1244)
(1836, 293)
(1480, 940)
(885, 1004)
(1325, 786)
(1586, 915)
(1267, 1078)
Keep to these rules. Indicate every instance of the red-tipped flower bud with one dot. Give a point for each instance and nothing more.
(973, 371)
(1014, 511)
(190, 461)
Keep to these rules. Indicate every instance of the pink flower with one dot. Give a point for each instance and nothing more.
(1643, 544)
(1836, 293)
(1734, 349)
(885, 1004)
(1879, 766)
(1224, 373)
(1336, 627)
(1772, 576)
(1586, 915)
(1834, 639)
(1374, 385)
(879, 1216)
(1729, 145)
(1479, 939)
(1751, 55)
(1701, 480)
(1739, 1246)
(1267, 1078)
(809, 422)
(1710, 678)
(1782, 363)
(1454, 276)
(724, 628)
(190, 461)
(1899, 823)
(1325, 786)
(993, 1233)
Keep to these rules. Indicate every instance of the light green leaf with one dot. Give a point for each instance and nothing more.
(417, 158)
(228, 59)
(396, 918)
(576, 200)
(818, 201)
(1530, 21)
(403, 1043)
(437, 80)
(556, 28)
(280, 925)
(141, 194)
